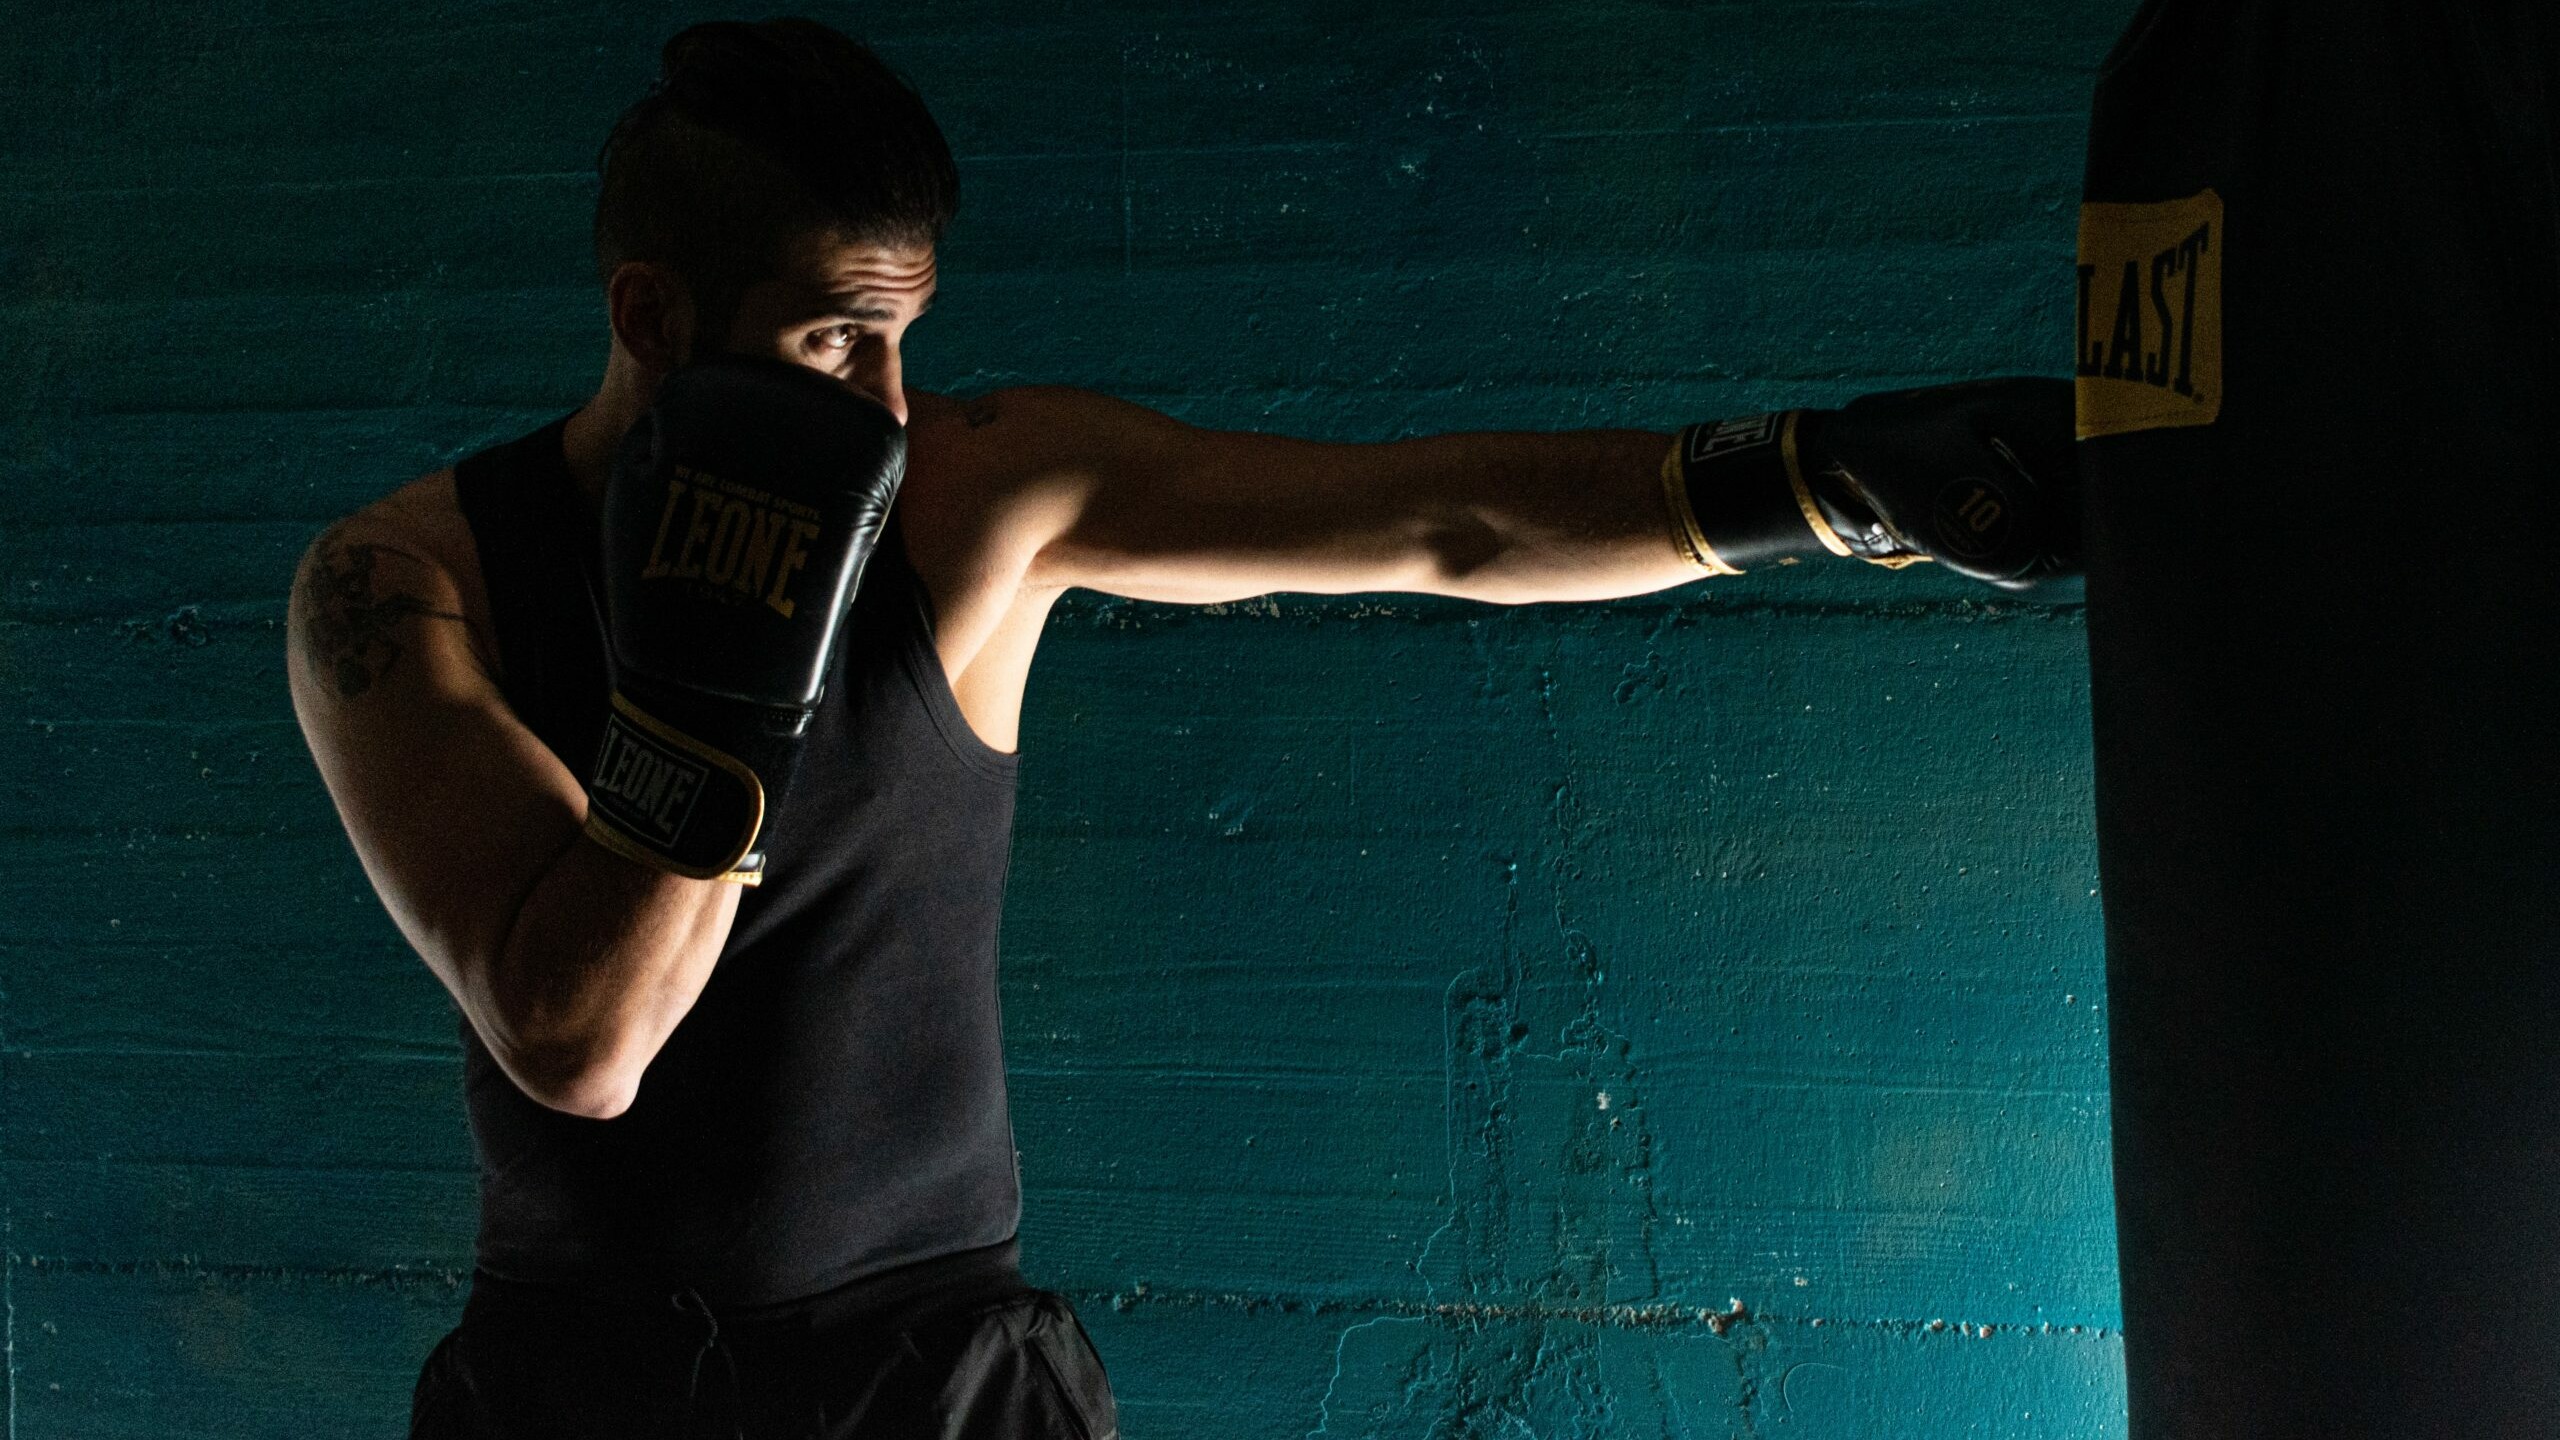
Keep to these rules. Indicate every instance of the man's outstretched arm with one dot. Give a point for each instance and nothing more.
(1101, 493)
(1118, 498)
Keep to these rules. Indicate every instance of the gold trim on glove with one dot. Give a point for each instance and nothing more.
(612, 839)
(727, 872)
(1686, 536)
(1822, 530)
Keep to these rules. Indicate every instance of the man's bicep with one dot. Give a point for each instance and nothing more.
(454, 807)
(1135, 503)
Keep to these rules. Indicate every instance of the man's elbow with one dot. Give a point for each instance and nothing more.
(577, 1049)
(584, 1065)
(593, 1103)
(593, 1082)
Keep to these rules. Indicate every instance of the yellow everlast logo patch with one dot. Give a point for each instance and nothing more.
(723, 534)
(2150, 315)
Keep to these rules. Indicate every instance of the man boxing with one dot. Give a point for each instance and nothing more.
(685, 760)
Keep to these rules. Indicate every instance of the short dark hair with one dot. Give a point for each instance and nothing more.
(756, 135)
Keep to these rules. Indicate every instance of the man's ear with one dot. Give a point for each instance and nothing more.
(652, 314)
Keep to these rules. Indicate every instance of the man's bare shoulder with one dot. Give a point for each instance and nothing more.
(979, 441)
(1012, 464)
(422, 520)
(971, 467)
(1002, 429)
(990, 479)
(407, 556)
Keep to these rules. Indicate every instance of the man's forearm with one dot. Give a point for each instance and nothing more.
(1578, 515)
(603, 959)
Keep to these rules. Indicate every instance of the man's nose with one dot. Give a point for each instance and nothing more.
(880, 377)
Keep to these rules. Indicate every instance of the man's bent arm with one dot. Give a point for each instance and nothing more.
(1118, 498)
(571, 963)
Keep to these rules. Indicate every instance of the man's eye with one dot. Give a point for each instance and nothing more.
(837, 337)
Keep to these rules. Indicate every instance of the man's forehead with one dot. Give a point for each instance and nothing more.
(884, 272)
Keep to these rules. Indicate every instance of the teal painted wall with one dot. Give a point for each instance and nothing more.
(1426, 1020)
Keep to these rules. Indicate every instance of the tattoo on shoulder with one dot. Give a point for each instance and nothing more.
(351, 636)
(980, 413)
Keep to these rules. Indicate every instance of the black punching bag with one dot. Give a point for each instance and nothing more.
(2320, 408)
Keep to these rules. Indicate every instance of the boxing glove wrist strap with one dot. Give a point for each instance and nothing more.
(1739, 495)
(683, 782)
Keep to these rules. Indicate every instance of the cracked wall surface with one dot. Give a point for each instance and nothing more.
(1548, 1056)
(1679, 1018)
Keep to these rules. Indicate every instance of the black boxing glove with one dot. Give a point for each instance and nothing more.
(1978, 477)
(738, 517)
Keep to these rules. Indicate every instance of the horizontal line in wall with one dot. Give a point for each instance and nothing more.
(310, 187)
(138, 627)
(281, 728)
(199, 1164)
(1453, 1313)
(1936, 1218)
(1619, 1316)
(586, 177)
(1888, 122)
(2094, 1095)
(1152, 152)
(91, 1166)
(153, 833)
(320, 1051)
(1428, 1070)
(128, 522)
(387, 949)
(537, 412)
(1431, 1069)
(421, 1277)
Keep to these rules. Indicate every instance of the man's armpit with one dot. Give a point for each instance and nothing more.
(354, 612)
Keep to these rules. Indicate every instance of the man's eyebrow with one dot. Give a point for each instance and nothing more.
(863, 305)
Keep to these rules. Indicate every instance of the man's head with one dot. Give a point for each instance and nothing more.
(779, 191)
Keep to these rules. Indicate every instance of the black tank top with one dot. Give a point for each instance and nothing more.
(834, 1104)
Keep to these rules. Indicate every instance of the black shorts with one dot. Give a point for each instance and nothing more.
(954, 1349)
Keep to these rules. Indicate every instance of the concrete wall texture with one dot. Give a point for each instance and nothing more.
(1677, 1018)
